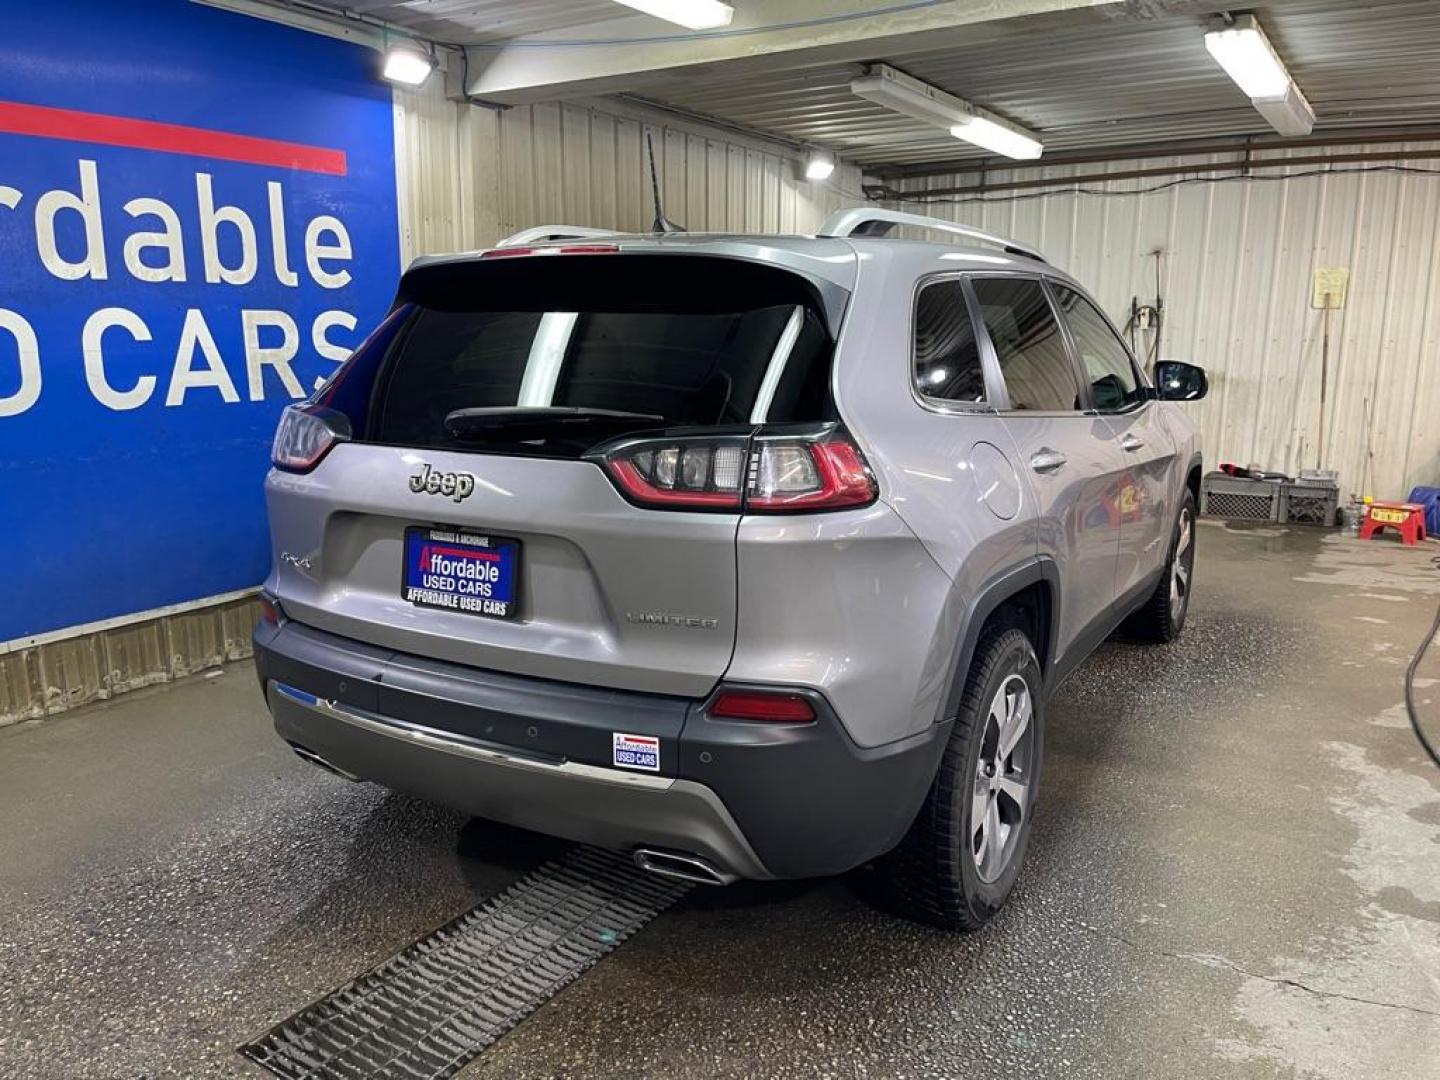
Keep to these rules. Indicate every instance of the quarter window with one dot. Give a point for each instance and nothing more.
(1114, 386)
(947, 358)
(1028, 344)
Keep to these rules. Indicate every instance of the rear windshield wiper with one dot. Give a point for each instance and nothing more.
(542, 421)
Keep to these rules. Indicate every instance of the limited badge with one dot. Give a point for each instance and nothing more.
(635, 751)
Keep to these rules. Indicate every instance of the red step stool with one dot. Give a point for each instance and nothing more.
(1406, 518)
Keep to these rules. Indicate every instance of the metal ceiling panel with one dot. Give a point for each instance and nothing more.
(472, 22)
(1120, 82)
(1135, 74)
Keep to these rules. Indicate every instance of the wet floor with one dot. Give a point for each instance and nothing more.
(1236, 873)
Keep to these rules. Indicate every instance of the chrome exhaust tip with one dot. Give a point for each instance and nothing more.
(681, 867)
(304, 753)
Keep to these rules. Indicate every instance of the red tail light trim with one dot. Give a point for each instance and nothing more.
(841, 479)
(305, 434)
(768, 706)
(845, 482)
(271, 612)
(632, 483)
(566, 249)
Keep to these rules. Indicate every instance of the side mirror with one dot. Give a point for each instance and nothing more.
(1177, 381)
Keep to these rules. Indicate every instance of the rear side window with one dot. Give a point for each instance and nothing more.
(680, 342)
(947, 357)
(1028, 344)
(1114, 386)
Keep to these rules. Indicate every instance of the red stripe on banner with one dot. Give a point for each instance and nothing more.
(76, 126)
(429, 549)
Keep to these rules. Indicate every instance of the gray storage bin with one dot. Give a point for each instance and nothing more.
(1234, 497)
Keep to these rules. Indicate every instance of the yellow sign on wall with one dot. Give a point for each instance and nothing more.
(1330, 283)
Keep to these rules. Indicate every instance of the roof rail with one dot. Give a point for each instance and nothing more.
(540, 233)
(863, 221)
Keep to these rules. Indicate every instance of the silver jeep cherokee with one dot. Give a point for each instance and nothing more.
(755, 556)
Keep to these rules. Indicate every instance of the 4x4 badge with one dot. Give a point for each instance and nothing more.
(457, 485)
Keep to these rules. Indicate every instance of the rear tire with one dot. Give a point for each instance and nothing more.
(1162, 617)
(959, 861)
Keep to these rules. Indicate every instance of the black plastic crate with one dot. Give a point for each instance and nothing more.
(1309, 504)
(1234, 497)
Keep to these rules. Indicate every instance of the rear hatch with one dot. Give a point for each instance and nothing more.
(463, 514)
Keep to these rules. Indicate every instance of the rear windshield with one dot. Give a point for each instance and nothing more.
(677, 340)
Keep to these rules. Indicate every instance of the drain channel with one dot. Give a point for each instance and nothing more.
(425, 1013)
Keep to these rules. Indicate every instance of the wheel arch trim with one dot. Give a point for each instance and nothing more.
(1001, 588)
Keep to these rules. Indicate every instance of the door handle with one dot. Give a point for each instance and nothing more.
(1046, 460)
(1131, 443)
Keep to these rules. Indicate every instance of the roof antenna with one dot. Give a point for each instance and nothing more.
(662, 223)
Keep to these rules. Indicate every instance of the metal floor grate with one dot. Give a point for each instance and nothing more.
(425, 1013)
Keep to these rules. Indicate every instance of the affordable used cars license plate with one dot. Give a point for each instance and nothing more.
(461, 570)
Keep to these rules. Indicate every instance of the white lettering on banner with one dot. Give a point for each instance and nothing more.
(283, 274)
(170, 241)
(91, 338)
(87, 205)
(28, 353)
(69, 234)
(327, 241)
(185, 375)
(315, 251)
(323, 346)
(278, 357)
(211, 219)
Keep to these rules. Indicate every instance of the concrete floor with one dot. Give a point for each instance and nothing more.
(1236, 873)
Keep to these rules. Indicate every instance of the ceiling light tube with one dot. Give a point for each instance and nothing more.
(1288, 114)
(998, 138)
(905, 94)
(1247, 56)
(691, 14)
(1244, 51)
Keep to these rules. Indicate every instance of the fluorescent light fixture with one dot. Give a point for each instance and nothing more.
(691, 14)
(904, 94)
(998, 139)
(1247, 56)
(407, 65)
(1289, 114)
(1244, 52)
(897, 91)
(819, 165)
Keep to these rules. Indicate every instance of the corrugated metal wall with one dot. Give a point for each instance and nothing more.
(1236, 278)
(470, 175)
(63, 674)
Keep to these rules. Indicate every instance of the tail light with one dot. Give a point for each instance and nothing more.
(271, 613)
(305, 435)
(766, 474)
(769, 706)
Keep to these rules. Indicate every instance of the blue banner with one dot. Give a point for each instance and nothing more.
(197, 223)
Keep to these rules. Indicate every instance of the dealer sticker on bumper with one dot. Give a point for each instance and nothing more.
(635, 751)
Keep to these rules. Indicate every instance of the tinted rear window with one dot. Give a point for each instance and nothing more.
(676, 351)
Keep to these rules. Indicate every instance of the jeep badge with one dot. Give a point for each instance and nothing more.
(457, 485)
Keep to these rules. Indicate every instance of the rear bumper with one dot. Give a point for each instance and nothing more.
(755, 800)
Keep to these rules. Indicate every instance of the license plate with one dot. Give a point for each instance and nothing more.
(461, 570)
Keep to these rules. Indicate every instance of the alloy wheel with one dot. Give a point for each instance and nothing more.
(1181, 566)
(1000, 796)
